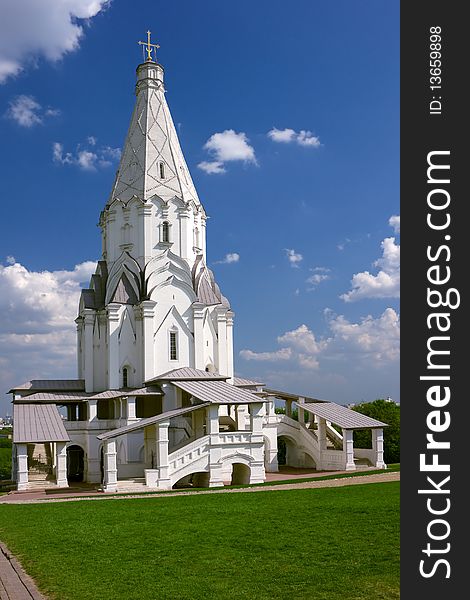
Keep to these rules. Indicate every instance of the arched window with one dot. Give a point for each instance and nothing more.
(162, 170)
(165, 231)
(125, 377)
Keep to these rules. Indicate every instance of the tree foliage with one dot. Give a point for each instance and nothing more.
(389, 413)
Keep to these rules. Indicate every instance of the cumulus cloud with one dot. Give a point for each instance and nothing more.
(231, 257)
(295, 258)
(227, 146)
(394, 222)
(27, 112)
(386, 283)
(288, 136)
(85, 158)
(320, 274)
(31, 30)
(37, 329)
(370, 341)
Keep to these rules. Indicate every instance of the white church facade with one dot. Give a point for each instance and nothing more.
(156, 402)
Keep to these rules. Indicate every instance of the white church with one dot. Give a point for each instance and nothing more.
(156, 404)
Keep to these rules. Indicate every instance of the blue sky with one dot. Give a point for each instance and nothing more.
(305, 215)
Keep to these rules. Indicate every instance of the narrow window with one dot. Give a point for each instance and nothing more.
(173, 346)
(124, 377)
(165, 231)
(162, 170)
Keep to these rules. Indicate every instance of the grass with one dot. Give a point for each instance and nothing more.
(320, 543)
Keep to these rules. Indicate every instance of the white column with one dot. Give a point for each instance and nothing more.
(289, 408)
(230, 316)
(256, 417)
(79, 322)
(148, 313)
(164, 482)
(300, 411)
(215, 452)
(139, 345)
(144, 213)
(22, 466)
(198, 316)
(186, 236)
(110, 466)
(242, 413)
(131, 408)
(61, 464)
(348, 449)
(321, 433)
(113, 346)
(222, 341)
(88, 350)
(92, 410)
(378, 447)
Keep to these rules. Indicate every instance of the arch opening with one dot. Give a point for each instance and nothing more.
(75, 463)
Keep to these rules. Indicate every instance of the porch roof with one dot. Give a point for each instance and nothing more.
(150, 421)
(217, 392)
(37, 423)
(342, 416)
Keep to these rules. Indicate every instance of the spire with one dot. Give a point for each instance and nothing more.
(152, 161)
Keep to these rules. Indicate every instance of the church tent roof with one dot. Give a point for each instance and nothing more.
(217, 392)
(37, 423)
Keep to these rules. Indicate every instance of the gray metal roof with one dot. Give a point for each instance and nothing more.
(35, 423)
(47, 397)
(150, 421)
(51, 385)
(217, 392)
(289, 396)
(342, 416)
(51, 397)
(187, 373)
(240, 382)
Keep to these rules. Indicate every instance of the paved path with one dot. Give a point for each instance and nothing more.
(15, 584)
(345, 481)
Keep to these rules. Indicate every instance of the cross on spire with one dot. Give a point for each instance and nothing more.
(149, 47)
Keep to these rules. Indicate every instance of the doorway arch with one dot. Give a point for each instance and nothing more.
(75, 463)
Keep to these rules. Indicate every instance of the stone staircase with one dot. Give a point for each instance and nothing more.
(135, 485)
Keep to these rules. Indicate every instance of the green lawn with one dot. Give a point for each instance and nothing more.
(325, 544)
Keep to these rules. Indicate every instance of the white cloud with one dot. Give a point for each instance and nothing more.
(27, 112)
(86, 159)
(231, 257)
(212, 168)
(394, 222)
(293, 257)
(37, 329)
(386, 284)
(31, 30)
(287, 136)
(316, 279)
(10, 260)
(371, 341)
(282, 354)
(227, 146)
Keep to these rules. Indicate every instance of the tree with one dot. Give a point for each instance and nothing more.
(389, 413)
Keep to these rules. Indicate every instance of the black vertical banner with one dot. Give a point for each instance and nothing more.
(435, 173)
